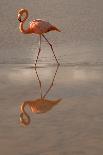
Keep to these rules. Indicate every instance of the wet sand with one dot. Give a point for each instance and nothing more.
(74, 126)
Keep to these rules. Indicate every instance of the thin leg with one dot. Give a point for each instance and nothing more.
(51, 49)
(39, 82)
(51, 83)
(39, 51)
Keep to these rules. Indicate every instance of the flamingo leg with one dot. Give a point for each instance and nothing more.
(38, 51)
(39, 82)
(52, 83)
(51, 48)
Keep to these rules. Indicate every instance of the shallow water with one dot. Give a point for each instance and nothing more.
(73, 126)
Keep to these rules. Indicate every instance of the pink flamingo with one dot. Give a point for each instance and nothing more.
(37, 26)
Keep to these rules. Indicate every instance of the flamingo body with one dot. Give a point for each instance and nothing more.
(39, 26)
(37, 106)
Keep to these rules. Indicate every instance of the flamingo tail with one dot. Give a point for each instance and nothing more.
(55, 29)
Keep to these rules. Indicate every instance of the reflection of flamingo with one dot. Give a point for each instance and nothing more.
(37, 106)
(37, 26)
(40, 105)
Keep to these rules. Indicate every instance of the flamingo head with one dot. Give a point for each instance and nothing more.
(22, 15)
(24, 121)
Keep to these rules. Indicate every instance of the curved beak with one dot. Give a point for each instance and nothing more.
(19, 17)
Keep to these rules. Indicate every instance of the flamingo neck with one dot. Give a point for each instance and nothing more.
(22, 108)
(21, 27)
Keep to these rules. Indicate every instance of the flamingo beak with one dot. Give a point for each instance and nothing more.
(19, 17)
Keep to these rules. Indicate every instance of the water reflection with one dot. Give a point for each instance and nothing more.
(40, 105)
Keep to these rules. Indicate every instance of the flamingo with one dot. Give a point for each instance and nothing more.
(36, 106)
(40, 105)
(36, 26)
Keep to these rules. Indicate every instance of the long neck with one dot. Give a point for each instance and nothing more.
(25, 31)
(23, 112)
(21, 26)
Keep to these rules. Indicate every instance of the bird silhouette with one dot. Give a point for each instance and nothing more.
(40, 105)
(37, 26)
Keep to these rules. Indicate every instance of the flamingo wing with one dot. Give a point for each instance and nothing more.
(42, 105)
(39, 26)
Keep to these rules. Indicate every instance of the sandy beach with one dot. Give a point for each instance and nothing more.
(74, 126)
